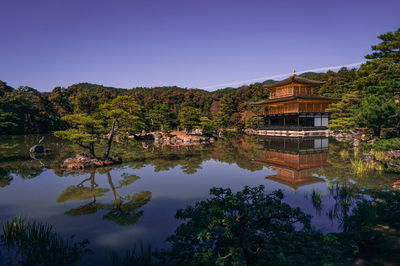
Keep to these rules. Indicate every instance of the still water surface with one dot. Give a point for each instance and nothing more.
(135, 203)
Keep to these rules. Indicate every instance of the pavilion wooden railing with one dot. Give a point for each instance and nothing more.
(290, 128)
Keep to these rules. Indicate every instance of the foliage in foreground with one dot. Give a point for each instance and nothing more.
(35, 243)
(250, 227)
(142, 256)
(254, 228)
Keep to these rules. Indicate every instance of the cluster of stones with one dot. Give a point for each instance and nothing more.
(179, 139)
(83, 161)
(353, 138)
(389, 158)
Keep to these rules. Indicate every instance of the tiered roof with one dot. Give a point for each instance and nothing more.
(294, 79)
(290, 98)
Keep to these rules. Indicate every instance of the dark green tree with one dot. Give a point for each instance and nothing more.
(389, 48)
(379, 77)
(227, 108)
(207, 125)
(376, 112)
(59, 98)
(87, 103)
(8, 120)
(251, 121)
(189, 118)
(125, 116)
(161, 117)
(338, 84)
(84, 130)
(343, 112)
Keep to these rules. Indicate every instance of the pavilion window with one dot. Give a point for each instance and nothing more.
(324, 121)
(310, 122)
(291, 121)
(317, 122)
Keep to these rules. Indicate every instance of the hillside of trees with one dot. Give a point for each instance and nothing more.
(25, 110)
(368, 100)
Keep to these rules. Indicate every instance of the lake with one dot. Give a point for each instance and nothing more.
(134, 203)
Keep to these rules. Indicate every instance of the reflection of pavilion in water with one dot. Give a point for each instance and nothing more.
(295, 160)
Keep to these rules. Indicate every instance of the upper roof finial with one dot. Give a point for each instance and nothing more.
(294, 73)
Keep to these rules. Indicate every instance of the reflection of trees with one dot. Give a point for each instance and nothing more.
(166, 158)
(356, 207)
(343, 172)
(5, 178)
(239, 150)
(80, 192)
(345, 198)
(123, 210)
(190, 164)
(15, 158)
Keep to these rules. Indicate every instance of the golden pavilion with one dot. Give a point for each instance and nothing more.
(294, 108)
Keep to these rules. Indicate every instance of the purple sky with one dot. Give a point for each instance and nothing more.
(188, 43)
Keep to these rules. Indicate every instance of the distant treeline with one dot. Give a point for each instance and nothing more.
(368, 99)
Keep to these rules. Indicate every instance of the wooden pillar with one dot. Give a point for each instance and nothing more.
(284, 121)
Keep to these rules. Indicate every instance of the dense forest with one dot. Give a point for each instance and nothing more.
(369, 101)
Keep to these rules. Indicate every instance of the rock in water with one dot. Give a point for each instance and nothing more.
(37, 149)
(396, 185)
(117, 160)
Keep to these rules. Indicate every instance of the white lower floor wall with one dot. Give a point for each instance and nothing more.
(289, 133)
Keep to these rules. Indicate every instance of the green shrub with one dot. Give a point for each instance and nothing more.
(35, 243)
(344, 154)
(250, 228)
(361, 167)
(386, 144)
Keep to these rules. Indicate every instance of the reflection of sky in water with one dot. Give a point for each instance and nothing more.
(170, 190)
